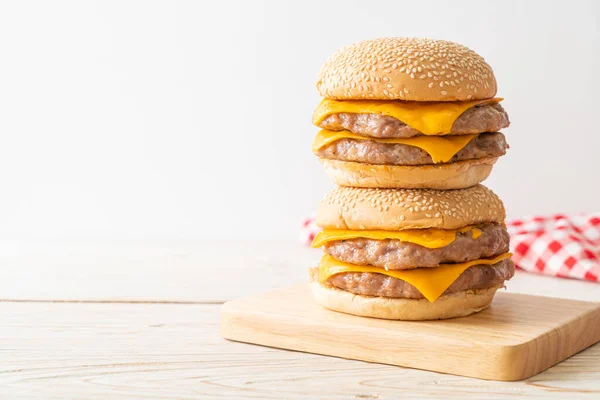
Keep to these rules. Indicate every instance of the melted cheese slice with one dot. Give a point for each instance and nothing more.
(429, 118)
(440, 148)
(430, 238)
(431, 282)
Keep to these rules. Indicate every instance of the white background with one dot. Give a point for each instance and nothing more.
(189, 120)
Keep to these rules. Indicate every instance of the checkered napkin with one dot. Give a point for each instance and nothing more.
(566, 246)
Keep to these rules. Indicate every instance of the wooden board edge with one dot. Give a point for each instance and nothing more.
(514, 361)
(241, 326)
(540, 348)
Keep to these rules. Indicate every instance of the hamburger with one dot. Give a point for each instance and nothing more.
(410, 254)
(408, 113)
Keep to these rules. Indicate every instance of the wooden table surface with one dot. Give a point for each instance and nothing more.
(138, 320)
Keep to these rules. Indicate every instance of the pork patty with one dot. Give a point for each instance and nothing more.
(373, 284)
(370, 152)
(395, 254)
(482, 118)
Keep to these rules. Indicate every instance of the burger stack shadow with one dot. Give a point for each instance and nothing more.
(409, 129)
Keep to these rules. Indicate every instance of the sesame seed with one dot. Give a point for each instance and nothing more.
(475, 204)
(356, 70)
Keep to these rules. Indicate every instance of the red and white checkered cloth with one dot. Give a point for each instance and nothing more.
(566, 246)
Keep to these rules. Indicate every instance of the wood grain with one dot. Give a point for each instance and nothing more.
(517, 337)
(61, 350)
(173, 351)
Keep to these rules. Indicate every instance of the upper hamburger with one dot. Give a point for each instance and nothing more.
(411, 254)
(408, 113)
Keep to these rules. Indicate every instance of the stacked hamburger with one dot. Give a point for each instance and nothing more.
(409, 130)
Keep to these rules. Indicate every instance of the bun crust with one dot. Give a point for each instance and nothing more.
(457, 175)
(454, 305)
(401, 68)
(398, 209)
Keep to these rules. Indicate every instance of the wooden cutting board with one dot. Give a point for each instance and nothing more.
(516, 337)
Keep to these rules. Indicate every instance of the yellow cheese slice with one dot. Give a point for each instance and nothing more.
(431, 282)
(440, 148)
(430, 238)
(429, 118)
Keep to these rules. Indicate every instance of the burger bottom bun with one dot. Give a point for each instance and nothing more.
(457, 175)
(459, 304)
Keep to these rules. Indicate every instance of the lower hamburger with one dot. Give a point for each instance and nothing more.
(410, 254)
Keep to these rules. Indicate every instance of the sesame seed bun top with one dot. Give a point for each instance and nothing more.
(398, 209)
(406, 69)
